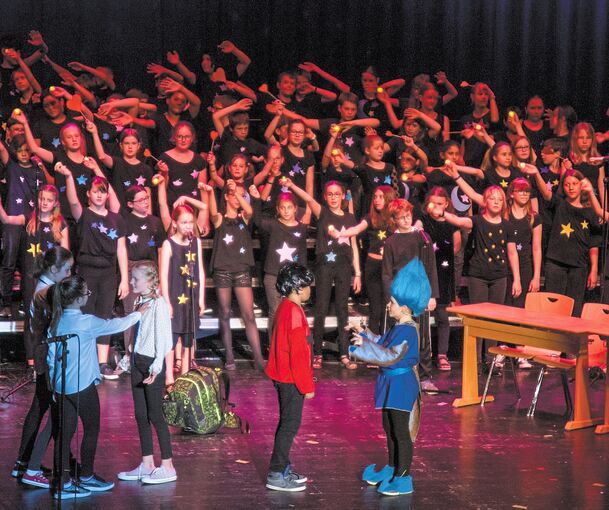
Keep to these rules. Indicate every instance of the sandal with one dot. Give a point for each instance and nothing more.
(317, 361)
(347, 363)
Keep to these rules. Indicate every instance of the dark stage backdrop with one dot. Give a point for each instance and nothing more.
(555, 48)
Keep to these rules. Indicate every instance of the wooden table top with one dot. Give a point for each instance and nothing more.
(522, 317)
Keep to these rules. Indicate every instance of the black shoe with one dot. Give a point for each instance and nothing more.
(5, 312)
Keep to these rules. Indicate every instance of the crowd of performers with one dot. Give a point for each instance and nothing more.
(125, 185)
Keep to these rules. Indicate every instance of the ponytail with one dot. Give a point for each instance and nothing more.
(65, 293)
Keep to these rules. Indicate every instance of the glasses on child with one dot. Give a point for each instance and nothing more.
(334, 195)
(139, 200)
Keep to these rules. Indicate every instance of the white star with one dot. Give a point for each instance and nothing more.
(465, 199)
(331, 257)
(19, 200)
(133, 238)
(549, 185)
(285, 253)
(126, 184)
(194, 174)
(102, 228)
(177, 182)
(296, 234)
(343, 239)
(242, 149)
(227, 239)
(376, 179)
(141, 180)
(435, 247)
(242, 250)
(144, 227)
(291, 173)
(519, 246)
(444, 263)
(46, 229)
(349, 141)
(21, 178)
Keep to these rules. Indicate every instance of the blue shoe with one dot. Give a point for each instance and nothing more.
(71, 491)
(294, 475)
(95, 484)
(398, 486)
(372, 477)
(278, 482)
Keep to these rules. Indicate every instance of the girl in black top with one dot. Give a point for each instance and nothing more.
(287, 242)
(582, 146)
(571, 260)
(101, 247)
(231, 263)
(446, 239)
(376, 227)
(127, 170)
(500, 171)
(491, 252)
(334, 258)
(485, 115)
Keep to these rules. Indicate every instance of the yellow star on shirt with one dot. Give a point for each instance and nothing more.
(382, 234)
(184, 270)
(504, 183)
(567, 230)
(35, 249)
(190, 256)
(584, 224)
(183, 299)
(190, 283)
(555, 182)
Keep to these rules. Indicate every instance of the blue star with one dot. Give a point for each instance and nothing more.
(331, 257)
(50, 245)
(82, 180)
(93, 225)
(296, 168)
(241, 226)
(112, 234)
(151, 242)
(55, 143)
(127, 184)
(387, 179)
(62, 189)
(106, 136)
(295, 258)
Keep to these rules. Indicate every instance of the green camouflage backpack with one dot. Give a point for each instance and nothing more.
(199, 401)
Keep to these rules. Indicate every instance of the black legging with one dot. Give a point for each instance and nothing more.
(102, 282)
(567, 280)
(40, 404)
(526, 275)
(13, 243)
(374, 288)
(481, 291)
(325, 275)
(399, 442)
(88, 410)
(148, 405)
(245, 298)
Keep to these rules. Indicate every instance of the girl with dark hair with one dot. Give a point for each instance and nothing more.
(54, 266)
(82, 377)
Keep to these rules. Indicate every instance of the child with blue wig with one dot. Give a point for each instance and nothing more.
(397, 391)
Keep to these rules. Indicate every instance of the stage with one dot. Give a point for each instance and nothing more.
(469, 458)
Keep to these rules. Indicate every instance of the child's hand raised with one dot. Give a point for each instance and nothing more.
(205, 187)
(173, 57)
(586, 186)
(245, 104)
(231, 185)
(62, 169)
(162, 166)
(90, 126)
(253, 191)
(211, 159)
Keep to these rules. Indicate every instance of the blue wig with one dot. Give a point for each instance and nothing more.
(411, 288)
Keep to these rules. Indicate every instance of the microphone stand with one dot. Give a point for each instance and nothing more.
(605, 269)
(193, 305)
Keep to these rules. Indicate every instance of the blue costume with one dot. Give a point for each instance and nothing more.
(397, 390)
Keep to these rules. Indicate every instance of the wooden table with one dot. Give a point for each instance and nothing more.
(518, 326)
(603, 428)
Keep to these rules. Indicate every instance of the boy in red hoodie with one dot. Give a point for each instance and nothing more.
(290, 368)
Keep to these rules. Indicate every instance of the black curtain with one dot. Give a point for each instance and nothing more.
(555, 48)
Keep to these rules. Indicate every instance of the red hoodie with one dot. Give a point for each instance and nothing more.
(290, 352)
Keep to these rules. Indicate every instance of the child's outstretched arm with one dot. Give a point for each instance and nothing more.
(310, 201)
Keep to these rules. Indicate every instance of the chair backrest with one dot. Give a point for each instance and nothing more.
(597, 349)
(549, 303)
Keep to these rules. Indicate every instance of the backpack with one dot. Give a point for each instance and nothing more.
(199, 401)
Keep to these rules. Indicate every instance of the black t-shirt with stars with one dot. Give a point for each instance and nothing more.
(460, 201)
(125, 174)
(163, 131)
(48, 132)
(373, 109)
(227, 146)
(371, 178)
(296, 167)
(144, 237)
(552, 181)
(486, 254)
(22, 185)
(82, 180)
(474, 149)
(286, 244)
(38, 243)
(492, 178)
(232, 250)
(183, 177)
(441, 234)
(329, 250)
(521, 232)
(184, 281)
(376, 237)
(98, 237)
(574, 231)
(351, 140)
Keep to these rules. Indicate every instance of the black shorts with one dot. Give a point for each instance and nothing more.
(227, 279)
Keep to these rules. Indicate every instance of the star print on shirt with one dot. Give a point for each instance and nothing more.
(18, 200)
(106, 136)
(46, 230)
(141, 180)
(177, 182)
(504, 183)
(50, 245)
(21, 178)
(445, 263)
(152, 242)
(555, 182)
(126, 184)
(35, 249)
(82, 180)
(381, 234)
(286, 253)
(241, 226)
(331, 257)
(296, 168)
(133, 238)
(566, 230)
(296, 234)
(184, 270)
(242, 250)
(144, 227)
(349, 141)
(435, 247)
(191, 257)
(549, 186)
(194, 174)
(584, 224)
(31, 203)
(190, 283)
(519, 247)
(343, 239)
(387, 179)
(227, 239)
(55, 143)
(102, 228)
(112, 234)
(465, 199)
(376, 179)
(182, 299)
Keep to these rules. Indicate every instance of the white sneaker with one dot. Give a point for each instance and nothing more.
(161, 475)
(499, 361)
(135, 474)
(524, 364)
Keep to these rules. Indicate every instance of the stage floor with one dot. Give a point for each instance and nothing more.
(469, 458)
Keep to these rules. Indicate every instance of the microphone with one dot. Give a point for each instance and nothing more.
(61, 338)
(595, 160)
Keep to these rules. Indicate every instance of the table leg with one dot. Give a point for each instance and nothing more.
(469, 388)
(604, 428)
(582, 417)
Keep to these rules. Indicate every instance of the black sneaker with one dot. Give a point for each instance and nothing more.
(72, 490)
(6, 312)
(95, 484)
(18, 469)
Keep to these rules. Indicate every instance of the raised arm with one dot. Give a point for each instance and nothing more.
(244, 60)
(587, 187)
(102, 74)
(173, 57)
(45, 155)
(244, 104)
(71, 194)
(170, 86)
(10, 220)
(533, 171)
(241, 89)
(452, 171)
(309, 200)
(246, 208)
(97, 144)
(15, 55)
(451, 91)
(314, 68)
(214, 215)
(433, 128)
(384, 98)
(351, 231)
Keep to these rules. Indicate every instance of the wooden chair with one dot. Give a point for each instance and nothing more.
(548, 302)
(597, 356)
